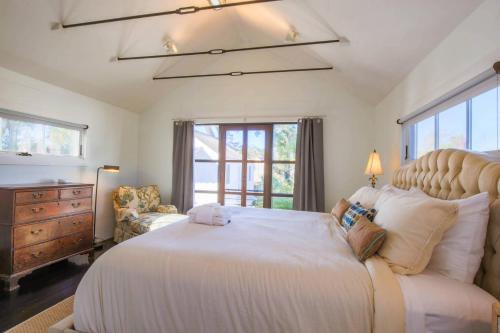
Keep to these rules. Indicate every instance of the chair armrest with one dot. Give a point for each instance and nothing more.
(126, 214)
(167, 209)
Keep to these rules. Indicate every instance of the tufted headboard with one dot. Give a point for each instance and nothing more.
(453, 174)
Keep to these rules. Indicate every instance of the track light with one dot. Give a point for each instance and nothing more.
(170, 47)
(292, 35)
(216, 3)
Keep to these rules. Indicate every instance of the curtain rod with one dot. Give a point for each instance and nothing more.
(248, 117)
(471, 83)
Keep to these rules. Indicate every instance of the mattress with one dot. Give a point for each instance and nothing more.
(435, 303)
(267, 271)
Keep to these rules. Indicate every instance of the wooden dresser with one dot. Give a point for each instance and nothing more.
(41, 224)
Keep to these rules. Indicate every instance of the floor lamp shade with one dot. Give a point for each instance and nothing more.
(106, 168)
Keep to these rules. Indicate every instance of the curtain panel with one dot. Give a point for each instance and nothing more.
(182, 166)
(309, 189)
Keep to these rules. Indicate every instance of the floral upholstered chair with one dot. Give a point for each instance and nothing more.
(138, 210)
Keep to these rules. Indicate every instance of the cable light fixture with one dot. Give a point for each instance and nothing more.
(222, 51)
(178, 11)
(240, 73)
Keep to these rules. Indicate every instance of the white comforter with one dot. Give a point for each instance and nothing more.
(267, 271)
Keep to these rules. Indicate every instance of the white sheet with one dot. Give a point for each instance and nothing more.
(435, 303)
(267, 271)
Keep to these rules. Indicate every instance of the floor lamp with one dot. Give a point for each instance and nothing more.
(107, 168)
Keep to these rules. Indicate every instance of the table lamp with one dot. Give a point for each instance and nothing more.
(374, 167)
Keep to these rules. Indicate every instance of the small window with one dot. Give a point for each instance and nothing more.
(27, 135)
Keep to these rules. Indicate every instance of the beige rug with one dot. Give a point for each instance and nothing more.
(41, 322)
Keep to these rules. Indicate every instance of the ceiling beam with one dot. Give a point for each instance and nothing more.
(178, 11)
(222, 51)
(239, 73)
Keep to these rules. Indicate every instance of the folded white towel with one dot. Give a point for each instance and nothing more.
(210, 214)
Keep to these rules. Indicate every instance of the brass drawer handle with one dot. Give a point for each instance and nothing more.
(37, 254)
(75, 204)
(76, 192)
(36, 232)
(37, 209)
(79, 222)
(37, 195)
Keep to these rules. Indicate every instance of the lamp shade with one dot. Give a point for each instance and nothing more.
(374, 167)
(111, 168)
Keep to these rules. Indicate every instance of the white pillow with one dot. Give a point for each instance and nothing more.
(415, 224)
(392, 188)
(366, 196)
(459, 253)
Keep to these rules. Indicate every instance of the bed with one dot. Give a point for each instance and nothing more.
(285, 271)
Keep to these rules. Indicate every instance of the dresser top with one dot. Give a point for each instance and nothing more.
(41, 185)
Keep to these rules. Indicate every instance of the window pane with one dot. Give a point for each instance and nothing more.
(206, 142)
(256, 145)
(282, 203)
(255, 201)
(233, 176)
(25, 136)
(284, 142)
(232, 200)
(234, 144)
(204, 198)
(484, 121)
(206, 176)
(255, 177)
(282, 178)
(424, 132)
(453, 127)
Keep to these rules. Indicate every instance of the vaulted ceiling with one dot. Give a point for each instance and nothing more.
(386, 39)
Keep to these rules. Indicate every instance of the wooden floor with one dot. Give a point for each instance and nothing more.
(42, 289)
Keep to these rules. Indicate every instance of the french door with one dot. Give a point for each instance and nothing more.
(246, 165)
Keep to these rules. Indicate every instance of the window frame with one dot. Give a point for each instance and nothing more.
(14, 157)
(268, 162)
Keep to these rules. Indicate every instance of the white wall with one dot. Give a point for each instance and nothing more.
(112, 138)
(468, 51)
(348, 136)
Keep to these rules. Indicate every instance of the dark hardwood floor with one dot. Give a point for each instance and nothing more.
(42, 289)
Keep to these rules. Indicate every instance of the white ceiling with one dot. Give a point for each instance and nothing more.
(387, 38)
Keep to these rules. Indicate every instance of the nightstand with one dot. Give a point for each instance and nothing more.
(495, 318)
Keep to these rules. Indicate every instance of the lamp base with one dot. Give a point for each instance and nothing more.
(373, 180)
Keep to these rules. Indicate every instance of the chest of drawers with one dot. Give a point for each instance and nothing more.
(41, 224)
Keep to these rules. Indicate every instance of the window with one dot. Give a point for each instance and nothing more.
(245, 165)
(28, 135)
(469, 120)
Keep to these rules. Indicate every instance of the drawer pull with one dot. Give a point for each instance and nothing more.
(76, 192)
(37, 195)
(79, 222)
(37, 254)
(75, 204)
(36, 232)
(37, 209)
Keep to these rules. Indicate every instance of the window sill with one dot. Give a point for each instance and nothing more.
(12, 159)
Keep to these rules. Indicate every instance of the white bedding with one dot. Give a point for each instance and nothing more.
(267, 271)
(437, 304)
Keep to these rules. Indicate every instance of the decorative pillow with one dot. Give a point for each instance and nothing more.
(149, 198)
(365, 238)
(367, 196)
(459, 253)
(353, 214)
(340, 208)
(415, 225)
(127, 197)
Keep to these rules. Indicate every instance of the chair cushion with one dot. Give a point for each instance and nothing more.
(127, 197)
(149, 198)
(151, 221)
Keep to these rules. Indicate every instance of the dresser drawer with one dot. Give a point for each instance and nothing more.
(76, 242)
(76, 193)
(36, 255)
(35, 233)
(75, 206)
(35, 212)
(36, 196)
(72, 224)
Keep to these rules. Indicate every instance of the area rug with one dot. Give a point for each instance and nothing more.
(41, 322)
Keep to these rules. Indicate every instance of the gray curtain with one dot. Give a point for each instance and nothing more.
(309, 189)
(182, 166)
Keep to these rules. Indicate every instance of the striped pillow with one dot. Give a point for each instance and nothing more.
(365, 238)
(353, 214)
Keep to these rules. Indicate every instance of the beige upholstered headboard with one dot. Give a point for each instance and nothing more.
(454, 174)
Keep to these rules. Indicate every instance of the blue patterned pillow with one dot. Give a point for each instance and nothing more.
(354, 212)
